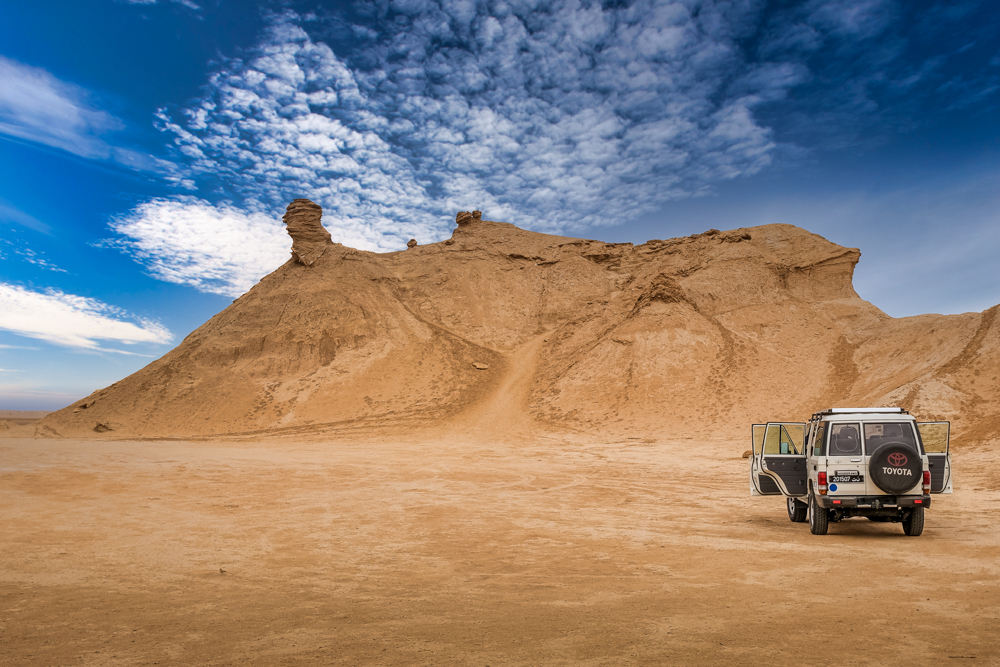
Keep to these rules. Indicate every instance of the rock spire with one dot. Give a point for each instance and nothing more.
(309, 237)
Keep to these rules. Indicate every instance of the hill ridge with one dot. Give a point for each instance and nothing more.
(702, 334)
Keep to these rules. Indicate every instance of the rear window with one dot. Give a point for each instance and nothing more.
(877, 434)
(845, 440)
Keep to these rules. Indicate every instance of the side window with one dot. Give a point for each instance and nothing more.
(819, 442)
(935, 437)
(758, 437)
(792, 437)
(781, 439)
(845, 440)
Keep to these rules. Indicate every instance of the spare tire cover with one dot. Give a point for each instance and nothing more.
(895, 467)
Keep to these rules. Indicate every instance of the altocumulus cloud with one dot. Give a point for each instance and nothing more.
(553, 115)
(73, 321)
(216, 249)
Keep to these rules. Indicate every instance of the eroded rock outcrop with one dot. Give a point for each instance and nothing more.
(310, 239)
(695, 336)
(463, 218)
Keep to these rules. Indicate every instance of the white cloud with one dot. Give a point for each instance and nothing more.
(13, 214)
(36, 106)
(554, 117)
(73, 321)
(217, 249)
(29, 255)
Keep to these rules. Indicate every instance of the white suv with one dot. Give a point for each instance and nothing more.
(878, 463)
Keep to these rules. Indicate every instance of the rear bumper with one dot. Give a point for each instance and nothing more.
(873, 502)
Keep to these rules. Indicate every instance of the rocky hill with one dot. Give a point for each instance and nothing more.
(691, 337)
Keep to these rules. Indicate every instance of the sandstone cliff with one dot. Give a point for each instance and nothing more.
(697, 336)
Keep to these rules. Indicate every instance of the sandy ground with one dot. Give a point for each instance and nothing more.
(470, 550)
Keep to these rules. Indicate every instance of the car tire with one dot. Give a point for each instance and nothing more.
(913, 525)
(887, 458)
(798, 511)
(819, 518)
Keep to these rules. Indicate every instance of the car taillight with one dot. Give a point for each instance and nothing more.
(927, 481)
(822, 484)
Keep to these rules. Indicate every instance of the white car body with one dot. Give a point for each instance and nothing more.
(827, 461)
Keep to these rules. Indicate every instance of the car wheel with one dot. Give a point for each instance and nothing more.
(913, 525)
(797, 510)
(819, 518)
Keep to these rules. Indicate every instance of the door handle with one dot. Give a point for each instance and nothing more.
(855, 460)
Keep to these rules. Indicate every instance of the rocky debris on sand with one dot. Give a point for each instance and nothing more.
(412, 243)
(103, 427)
(463, 218)
(748, 453)
(309, 237)
(480, 365)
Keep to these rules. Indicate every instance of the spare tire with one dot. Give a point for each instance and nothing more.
(895, 467)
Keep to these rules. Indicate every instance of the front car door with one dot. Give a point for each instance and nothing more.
(935, 437)
(780, 460)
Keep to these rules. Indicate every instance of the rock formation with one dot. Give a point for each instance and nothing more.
(412, 243)
(309, 237)
(695, 337)
(463, 218)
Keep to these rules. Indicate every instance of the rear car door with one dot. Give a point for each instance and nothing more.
(935, 437)
(845, 461)
(781, 463)
(760, 484)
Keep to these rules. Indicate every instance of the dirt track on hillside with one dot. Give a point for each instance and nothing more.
(476, 548)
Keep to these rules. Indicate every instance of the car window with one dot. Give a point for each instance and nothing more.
(845, 440)
(881, 433)
(758, 437)
(819, 444)
(784, 439)
(934, 436)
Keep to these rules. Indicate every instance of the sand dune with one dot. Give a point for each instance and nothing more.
(690, 336)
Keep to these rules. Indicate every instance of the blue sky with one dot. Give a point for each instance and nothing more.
(148, 148)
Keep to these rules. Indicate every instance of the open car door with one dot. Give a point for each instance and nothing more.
(760, 485)
(779, 459)
(935, 436)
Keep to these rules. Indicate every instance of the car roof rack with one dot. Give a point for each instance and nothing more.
(855, 411)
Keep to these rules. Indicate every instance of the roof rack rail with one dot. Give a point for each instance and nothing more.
(854, 411)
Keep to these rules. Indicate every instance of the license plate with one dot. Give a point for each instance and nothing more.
(847, 479)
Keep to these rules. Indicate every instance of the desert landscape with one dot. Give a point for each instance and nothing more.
(505, 448)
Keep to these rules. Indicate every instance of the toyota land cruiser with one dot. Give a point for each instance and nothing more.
(878, 463)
